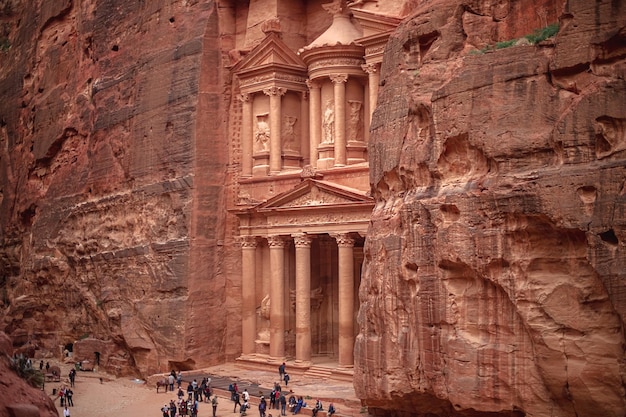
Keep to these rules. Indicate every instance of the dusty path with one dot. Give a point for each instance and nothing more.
(128, 397)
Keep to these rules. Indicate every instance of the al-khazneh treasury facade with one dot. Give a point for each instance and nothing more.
(306, 77)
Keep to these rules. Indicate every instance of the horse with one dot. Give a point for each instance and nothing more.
(162, 383)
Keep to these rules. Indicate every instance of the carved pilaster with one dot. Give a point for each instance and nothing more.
(343, 240)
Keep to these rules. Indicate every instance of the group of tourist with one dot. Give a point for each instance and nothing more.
(277, 399)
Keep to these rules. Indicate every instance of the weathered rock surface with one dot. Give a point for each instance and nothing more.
(494, 279)
(107, 172)
(18, 398)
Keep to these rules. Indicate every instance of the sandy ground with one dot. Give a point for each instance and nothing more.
(128, 397)
(121, 397)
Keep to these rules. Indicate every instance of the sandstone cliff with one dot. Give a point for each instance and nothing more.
(106, 173)
(494, 279)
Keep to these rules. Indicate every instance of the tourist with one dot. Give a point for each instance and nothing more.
(236, 401)
(286, 379)
(331, 410)
(172, 407)
(165, 410)
(245, 395)
(170, 380)
(273, 398)
(66, 412)
(299, 405)
(281, 371)
(214, 405)
(68, 397)
(318, 407)
(72, 376)
(283, 404)
(179, 379)
(262, 407)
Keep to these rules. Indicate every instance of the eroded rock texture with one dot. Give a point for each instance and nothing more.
(494, 280)
(107, 171)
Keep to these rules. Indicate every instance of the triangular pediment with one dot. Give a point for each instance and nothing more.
(272, 52)
(315, 193)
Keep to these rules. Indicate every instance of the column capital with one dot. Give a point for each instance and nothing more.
(339, 78)
(247, 241)
(302, 240)
(274, 91)
(276, 241)
(312, 84)
(343, 240)
(244, 97)
(371, 68)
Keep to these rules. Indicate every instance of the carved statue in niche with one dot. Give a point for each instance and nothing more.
(289, 133)
(354, 125)
(262, 133)
(328, 123)
(264, 313)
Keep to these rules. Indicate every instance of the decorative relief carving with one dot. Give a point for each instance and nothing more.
(276, 241)
(274, 91)
(262, 133)
(247, 241)
(328, 123)
(370, 68)
(311, 84)
(339, 78)
(329, 63)
(343, 240)
(302, 240)
(244, 98)
(289, 133)
(314, 219)
(315, 198)
(356, 121)
(270, 77)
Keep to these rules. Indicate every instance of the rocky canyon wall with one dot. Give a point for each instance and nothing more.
(494, 281)
(111, 200)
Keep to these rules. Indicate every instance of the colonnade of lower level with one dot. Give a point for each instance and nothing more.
(282, 266)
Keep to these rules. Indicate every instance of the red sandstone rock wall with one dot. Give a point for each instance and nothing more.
(495, 267)
(111, 199)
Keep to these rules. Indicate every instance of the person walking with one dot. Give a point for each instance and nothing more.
(66, 412)
(283, 404)
(214, 405)
(286, 378)
(236, 401)
(281, 371)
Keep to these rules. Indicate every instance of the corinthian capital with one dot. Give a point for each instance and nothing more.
(339, 78)
(343, 239)
(274, 91)
(276, 241)
(370, 68)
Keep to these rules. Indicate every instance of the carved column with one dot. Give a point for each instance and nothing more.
(373, 82)
(303, 297)
(277, 300)
(346, 298)
(246, 135)
(339, 81)
(275, 94)
(315, 120)
(248, 294)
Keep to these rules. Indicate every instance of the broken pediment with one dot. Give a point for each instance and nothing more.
(315, 193)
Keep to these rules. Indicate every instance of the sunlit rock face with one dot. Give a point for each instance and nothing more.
(494, 277)
(106, 172)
